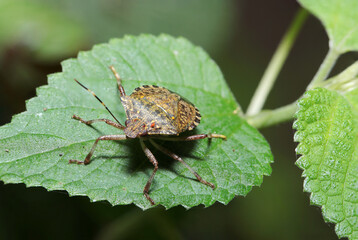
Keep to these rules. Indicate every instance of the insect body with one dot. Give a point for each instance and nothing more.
(153, 110)
(152, 113)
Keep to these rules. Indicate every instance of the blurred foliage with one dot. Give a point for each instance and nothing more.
(54, 29)
(45, 32)
(111, 18)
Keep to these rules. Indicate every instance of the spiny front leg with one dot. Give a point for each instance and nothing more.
(89, 155)
(176, 157)
(107, 121)
(154, 161)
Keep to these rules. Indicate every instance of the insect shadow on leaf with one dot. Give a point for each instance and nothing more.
(152, 113)
(138, 162)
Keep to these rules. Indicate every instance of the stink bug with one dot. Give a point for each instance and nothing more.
(152, 113)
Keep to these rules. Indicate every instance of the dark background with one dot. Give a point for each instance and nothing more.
(241, 36)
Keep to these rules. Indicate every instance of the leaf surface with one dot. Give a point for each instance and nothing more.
(339, 18)
(38, 143)
(327, 135)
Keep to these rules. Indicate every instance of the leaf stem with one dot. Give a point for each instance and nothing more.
(325, 68)
(270, 75)
(268, 118)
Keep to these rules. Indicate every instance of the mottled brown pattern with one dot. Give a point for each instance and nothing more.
(153, 110)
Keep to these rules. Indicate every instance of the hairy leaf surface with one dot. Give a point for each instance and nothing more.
(327, 135)
(37, 144)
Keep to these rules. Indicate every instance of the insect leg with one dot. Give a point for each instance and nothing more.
(194, 137)
(154, 161)
(89, 122)
(119, 82)
(176, 157)
(89, 155)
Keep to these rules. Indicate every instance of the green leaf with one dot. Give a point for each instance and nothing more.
(327, 135)
(339, 17)
(48, 33)
(37, 144)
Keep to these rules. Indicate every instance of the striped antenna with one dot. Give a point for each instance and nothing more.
(97, 99)
(119, 81)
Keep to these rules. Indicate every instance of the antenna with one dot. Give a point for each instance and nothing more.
(97, 99)
(119, 81)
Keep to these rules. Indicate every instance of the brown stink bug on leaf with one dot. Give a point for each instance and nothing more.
(152, 113)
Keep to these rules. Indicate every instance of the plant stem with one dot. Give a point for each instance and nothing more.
(325, 68)
(276, 63)
(268, 118)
